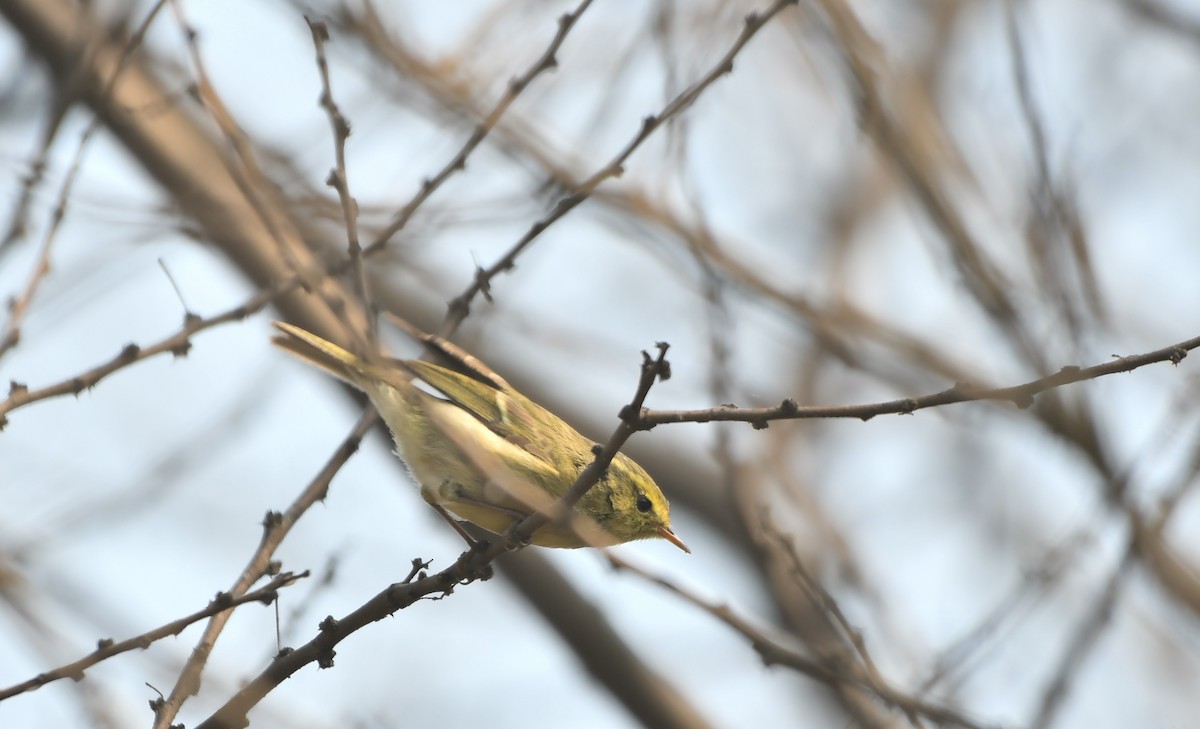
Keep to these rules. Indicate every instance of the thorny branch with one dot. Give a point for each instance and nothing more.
(276, 526)
(460, 306)
(776, 652)
(105, 649)
(1021, 395)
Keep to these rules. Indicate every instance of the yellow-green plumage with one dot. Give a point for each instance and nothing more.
(490, 455)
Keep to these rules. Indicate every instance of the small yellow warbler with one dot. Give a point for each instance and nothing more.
(490, 455)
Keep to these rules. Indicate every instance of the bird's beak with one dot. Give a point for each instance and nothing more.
(669, 535)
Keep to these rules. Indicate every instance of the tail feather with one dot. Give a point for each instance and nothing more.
(320, 353)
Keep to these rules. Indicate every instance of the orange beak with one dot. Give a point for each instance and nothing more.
(669, 535)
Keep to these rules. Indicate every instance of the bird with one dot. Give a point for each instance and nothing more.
(484, 453)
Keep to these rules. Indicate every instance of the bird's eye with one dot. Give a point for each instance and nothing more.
(643, 503)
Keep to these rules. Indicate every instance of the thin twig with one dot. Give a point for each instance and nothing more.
(276, 526)
(1020, 395)
(20, 395)
(1048, 569)
(775, 652)
(460, 306)
(548, 61)
(1054, 228)
(106, 649)
(258, 191)
(178, 344)
(338, 177)
(864, 65)
(1084, 641)
(19, 306)
(249, 176)
(853, 645)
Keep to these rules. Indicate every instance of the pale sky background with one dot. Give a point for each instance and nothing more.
(134, 503)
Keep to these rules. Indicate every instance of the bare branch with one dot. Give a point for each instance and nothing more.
(223, 603)
(775, 652)
(1083, 642)
(177, 344)
(1020, 395)
(276, 526)
(41, 268)
(460, 306)
(338, 177)
(548, 61)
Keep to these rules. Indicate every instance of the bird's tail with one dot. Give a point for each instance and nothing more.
(320, 353)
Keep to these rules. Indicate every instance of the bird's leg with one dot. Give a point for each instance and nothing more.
(471, 542)
(513, 514)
